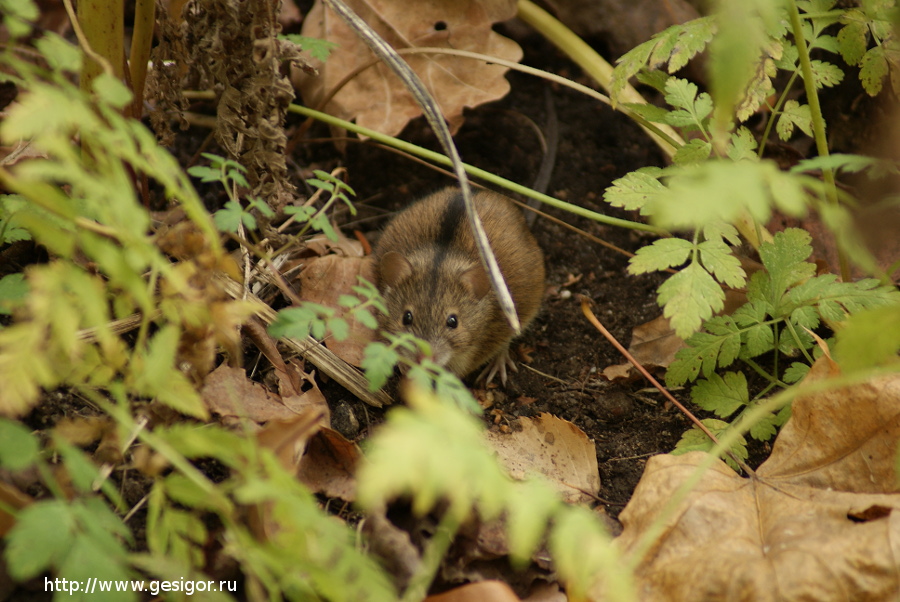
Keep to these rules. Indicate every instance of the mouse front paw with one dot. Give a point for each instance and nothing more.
(497, 366)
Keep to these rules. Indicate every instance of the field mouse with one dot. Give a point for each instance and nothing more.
(435, 287)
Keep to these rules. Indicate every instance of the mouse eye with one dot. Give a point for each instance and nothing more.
(452, 321)
(407, 318)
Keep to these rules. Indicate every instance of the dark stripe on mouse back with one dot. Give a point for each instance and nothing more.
(450, 221)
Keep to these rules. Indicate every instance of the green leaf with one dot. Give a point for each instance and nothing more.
(651, 113)
(825, 74)
(228, 219)
(111, 90)
(690, 297)
(693, 152)
(795, 373)
(321, 223)
(339, 328)
(691, 110)
(205, 173)
(60, 54)
(19, 449)
(720, 232)
(632, 191)
(13, 291)
(87, 563)
(743, 145)
(853, 37)
(706, 350)
(40, 538)
(794, 114)
(10, 227)
(696, 440)
(530, 512)
(296, 322)
(319, 49)
(79, 467)
(676, 45)
(261, 206)
(718, 259)
(463, 475)
(663, 253)
(847, 163)
(153, 373)
(721, 191)
(302, 213)
(872, 70)
(785, 261)
(764, 428)
(723, 396)
(378, 363)
(870, 338)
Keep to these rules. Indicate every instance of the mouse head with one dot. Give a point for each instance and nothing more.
(447, 303)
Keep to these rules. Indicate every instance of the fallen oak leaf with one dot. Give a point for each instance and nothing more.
(376, 98)
(819, 520)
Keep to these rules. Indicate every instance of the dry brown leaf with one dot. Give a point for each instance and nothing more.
(291, 384)
(483, 591)
(288, 438)
(821, 520)
(555, 448)
(323, 281)
(329, 465)
(229, 393)
(376, 98)
(654, 343)
(11, 498)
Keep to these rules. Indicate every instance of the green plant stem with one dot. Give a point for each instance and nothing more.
(431, 560)
(818, 121)
(480, 173)
(797, 341)
(592, 64)
(774, 113)
(773, 380)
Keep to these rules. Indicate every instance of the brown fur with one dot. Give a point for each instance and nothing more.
(428, 264)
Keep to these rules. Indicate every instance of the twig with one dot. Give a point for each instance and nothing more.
(586, 310)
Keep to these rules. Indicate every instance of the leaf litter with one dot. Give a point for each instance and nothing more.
(818, 521)
(376, 98)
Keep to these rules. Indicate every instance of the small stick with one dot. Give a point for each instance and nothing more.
(586, 310)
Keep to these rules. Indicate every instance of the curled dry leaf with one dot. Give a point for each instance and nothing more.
(376, 98)
(555, 448)
(819, 521)
(483, 591)
(323, 281)
(329, 465)
(229, 393)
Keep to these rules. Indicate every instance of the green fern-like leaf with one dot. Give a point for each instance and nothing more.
(706, 351)
(721, 395)
(676, 46)
(696, 440)
(634, 190)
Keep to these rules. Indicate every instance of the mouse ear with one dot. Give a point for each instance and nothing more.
(476, 280)
(394, 268)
